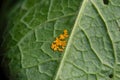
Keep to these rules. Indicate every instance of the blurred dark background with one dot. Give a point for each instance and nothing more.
(5, 7)
(2, 26)
(3, 23)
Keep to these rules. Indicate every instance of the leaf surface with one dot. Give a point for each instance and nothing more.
(92, 51)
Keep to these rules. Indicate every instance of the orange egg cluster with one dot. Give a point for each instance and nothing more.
(60, 42)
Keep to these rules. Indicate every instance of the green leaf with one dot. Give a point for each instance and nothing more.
(92, 51)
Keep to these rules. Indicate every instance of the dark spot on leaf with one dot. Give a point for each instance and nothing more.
(106, 2)
(111, 76)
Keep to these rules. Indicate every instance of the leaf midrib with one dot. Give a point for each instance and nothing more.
(70, 39)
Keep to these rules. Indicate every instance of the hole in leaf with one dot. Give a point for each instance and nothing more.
(111, 76)
(106, 2)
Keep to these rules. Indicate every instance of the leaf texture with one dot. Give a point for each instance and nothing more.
(92, 51)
